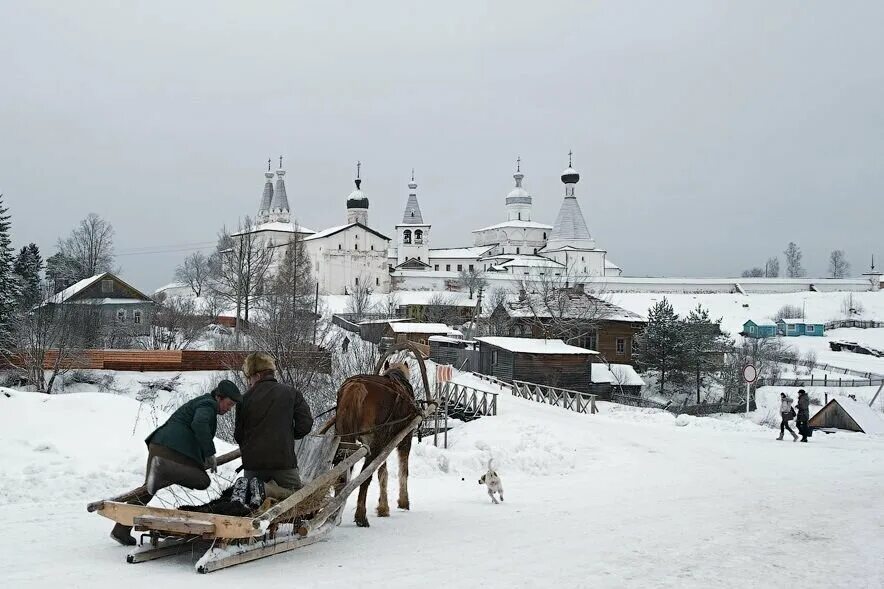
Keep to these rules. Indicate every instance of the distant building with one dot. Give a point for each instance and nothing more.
(549, 362)
(760, 329)
(848, 414)
(112, 304)
(796, 327)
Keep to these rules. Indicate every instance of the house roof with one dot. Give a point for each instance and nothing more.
(616, 374)
(526, 261)
(460, 252)
(278, 226)
(869, 420)
(413, 264)
(576, 306)
(525, 345)
(515, 224)
(334, 230)
(78, 287)
(439, 328)
(412, 214)
(762, 322)
(792, 321)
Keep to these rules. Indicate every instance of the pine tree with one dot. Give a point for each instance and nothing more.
(660, 346)
(8, 283)
(703, 345)
(27, 267)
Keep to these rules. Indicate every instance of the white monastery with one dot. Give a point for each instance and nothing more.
(351, 255)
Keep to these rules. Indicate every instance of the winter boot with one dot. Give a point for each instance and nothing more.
(156, 479)
(240, 492)
(794, 437)
(256, 493)
(122, 534)
(781, 437)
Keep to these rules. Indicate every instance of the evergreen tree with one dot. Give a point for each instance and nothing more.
(27, 267)
(61, 271)
(660, 346)
(8, 282)
(703, 345)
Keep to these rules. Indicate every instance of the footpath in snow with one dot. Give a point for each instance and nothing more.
(625, 498)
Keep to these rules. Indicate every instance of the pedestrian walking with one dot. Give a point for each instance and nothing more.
(787, 413)
(803, 414)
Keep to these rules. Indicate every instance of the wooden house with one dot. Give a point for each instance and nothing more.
(575, 317)
(109, 304)
(549, 362)
(796, 327)
(848, 414)
(618, 379)
(416, 333)
(760, 329)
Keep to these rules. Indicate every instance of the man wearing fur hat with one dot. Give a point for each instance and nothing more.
(268, 421)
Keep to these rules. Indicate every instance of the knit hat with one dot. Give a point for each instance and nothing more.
(257, 362)
(229, 390)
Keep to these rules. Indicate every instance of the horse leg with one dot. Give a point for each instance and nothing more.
(361, 519)
(404, 449)
(383, 506)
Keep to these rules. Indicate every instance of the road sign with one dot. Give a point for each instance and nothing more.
(750, 373)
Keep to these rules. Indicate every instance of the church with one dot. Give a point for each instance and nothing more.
(515, 249)
(355, 255)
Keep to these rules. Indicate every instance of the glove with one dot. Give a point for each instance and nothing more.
(212, 464)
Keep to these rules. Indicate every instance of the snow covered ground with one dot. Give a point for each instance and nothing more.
(626, 498)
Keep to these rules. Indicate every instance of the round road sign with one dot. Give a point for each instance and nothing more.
(750, 373)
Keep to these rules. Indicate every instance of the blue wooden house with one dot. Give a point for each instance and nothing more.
(796, 327)
(760, 329)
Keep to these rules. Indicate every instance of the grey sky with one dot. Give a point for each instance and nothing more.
(708, 134)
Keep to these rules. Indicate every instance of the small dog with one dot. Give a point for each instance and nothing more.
(491, 480)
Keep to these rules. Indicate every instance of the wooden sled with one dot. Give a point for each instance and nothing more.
(229, 540)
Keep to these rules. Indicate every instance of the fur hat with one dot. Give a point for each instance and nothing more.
(257, 362)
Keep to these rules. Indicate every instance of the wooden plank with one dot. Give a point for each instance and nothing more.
(96, 505)
(165, 547)
(340, 498)
(174, 525)
(225, 526)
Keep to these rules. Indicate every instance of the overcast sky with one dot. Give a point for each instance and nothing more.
(707, 134)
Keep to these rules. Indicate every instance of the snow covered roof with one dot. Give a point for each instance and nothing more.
(570, 224)
(332, 230)
(763, 322)
(520, 261)
(460, 252)
(515, 224)
(609, 265)
(412, 214)
(525, 345)
(575, 306)
(869, 420)
(72, 290)
(278, 226)
(616, 374)
(280, 201)
(440, 328)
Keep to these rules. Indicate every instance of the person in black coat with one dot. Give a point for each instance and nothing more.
(803, 414)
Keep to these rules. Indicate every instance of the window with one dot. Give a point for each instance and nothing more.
(535, 251)
(107, 286)
(460, 267)
(357, 281)
(588, 340)
(121, 315)
(377, 281)
(339, 246)
(493, 357)
(751, 329)
(621, 345)
(544, 235)
(137, 316)
(436, 267)
(809, 329)
(406, 237)
(448, 267)
(372, 247)
(471, 267)
(520, 216)
(517, 250)
(356, 246)
(418, 236)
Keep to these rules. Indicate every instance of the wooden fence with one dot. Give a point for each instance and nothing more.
(825, 381)
(458, 402)
(169, 360)
(565, 398)
(853, 323)
(494, 380)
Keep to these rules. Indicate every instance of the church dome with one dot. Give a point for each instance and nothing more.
(518, 195)
(357, 198)
(570, 176)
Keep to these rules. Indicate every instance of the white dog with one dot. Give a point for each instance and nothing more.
(491, 480)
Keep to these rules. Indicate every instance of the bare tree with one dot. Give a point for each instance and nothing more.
(242, 269)
(390, 305)
(194, 272)
(768, 355)
(839, 267)
(472, 280)
(177, 323)
(789, 312)
(497, 321)
(90, 247)
(772, 267)
(851, 307)
(43, 343)
(556, 307)
(753, 273)
(442, 308)
(359, 303)
(793, 261)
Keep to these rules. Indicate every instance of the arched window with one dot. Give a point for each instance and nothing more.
(356, 246)
(339, 246)
(406, 236)
(517, 250)
(418, 236)
(520, 216)
(544, 235)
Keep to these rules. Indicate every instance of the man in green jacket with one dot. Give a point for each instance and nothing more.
(180, 450)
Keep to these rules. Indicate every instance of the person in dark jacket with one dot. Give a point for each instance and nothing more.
(180, 450)
(268, 421)
(803, 414)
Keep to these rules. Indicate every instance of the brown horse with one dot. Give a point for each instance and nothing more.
(373, 409)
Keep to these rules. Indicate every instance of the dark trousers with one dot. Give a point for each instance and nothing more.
(784, 425)
(801, 424)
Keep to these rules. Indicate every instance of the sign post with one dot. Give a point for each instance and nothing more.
(750, 374)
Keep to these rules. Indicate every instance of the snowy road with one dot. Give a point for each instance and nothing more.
(601, 501)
